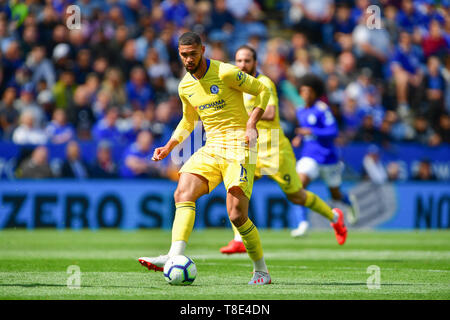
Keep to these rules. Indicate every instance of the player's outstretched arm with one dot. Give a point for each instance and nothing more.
(162, 152)
(251, 133)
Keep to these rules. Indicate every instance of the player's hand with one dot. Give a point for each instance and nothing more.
(303, 131)
(251, 136)
(160, 153)
(296, 141)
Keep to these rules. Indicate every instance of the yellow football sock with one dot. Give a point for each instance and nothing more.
(251, 240)
(318, 205)
(184, 221)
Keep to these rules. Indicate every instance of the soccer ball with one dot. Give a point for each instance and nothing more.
(180, 270)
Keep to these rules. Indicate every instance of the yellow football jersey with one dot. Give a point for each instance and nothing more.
(217, 98)
(251, 101)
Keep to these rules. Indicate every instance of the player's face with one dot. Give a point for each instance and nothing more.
(244, 61)
(191, 56)
(308, 95)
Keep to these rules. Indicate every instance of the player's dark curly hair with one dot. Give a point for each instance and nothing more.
(313, 81)
(189, 38)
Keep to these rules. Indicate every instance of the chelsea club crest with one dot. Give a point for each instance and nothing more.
(214, 89)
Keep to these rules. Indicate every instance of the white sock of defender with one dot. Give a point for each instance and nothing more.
(260, 265)
(177, 248)
(237, 237)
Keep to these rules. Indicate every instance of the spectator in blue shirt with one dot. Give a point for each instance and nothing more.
(104, 166)
(175, 11)
(137, 160)
(405, 66)
(408, 18)
(58, 130)
(106, 128)
(139, 91)
(434, 85)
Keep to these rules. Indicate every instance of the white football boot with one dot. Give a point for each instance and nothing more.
(353, 213)
(154, 263)
(301, 230)
(260, 277)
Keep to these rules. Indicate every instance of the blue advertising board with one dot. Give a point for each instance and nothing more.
(130, 204)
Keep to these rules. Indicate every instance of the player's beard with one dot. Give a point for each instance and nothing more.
(250, 72)
(195, 68)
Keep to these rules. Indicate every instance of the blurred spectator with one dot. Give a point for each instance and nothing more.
(373, 106)
(106, 128)
(80, 113)
(147, 41)
(221, 25)
(175, 11)
(373, 168)
(12, 60)
(313, 16)
(424, 171)
(58, 130)
(41, 67)
(446, 75)
(137, 161)
(26, 102)
(408, 18)
(371, 45)
(9, 116)
(36, 167)
(139, 91)
(46, 102)
(63, 90)
(346, 68)
(352, 118)
(240, 8)
(443, 129)
(73, 166)
(367, 132)
(424, 133)
(128, 60)
(405, 67)
(393, 171)
(113, 85)
(131, 127)
(104, 166)
(434, 85)
(83, 66)
(27, 132)
(434, 43)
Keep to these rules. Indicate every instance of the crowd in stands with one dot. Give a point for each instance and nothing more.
(115, 79)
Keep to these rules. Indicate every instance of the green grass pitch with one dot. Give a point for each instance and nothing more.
(413, 265)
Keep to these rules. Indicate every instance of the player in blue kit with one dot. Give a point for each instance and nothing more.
(319, 157)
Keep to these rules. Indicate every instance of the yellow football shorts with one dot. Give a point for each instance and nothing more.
(279, 163)
(230, 165)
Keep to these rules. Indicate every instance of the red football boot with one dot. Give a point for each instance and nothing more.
(339, 227)
(233, 247)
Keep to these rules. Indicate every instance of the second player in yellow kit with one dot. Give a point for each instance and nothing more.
(275, 154)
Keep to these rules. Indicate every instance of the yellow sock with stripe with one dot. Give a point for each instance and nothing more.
(318, 205)
(252, 242)
(184, 221)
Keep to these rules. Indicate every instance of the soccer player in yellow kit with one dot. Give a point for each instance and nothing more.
(213, 91)
(276, 157)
